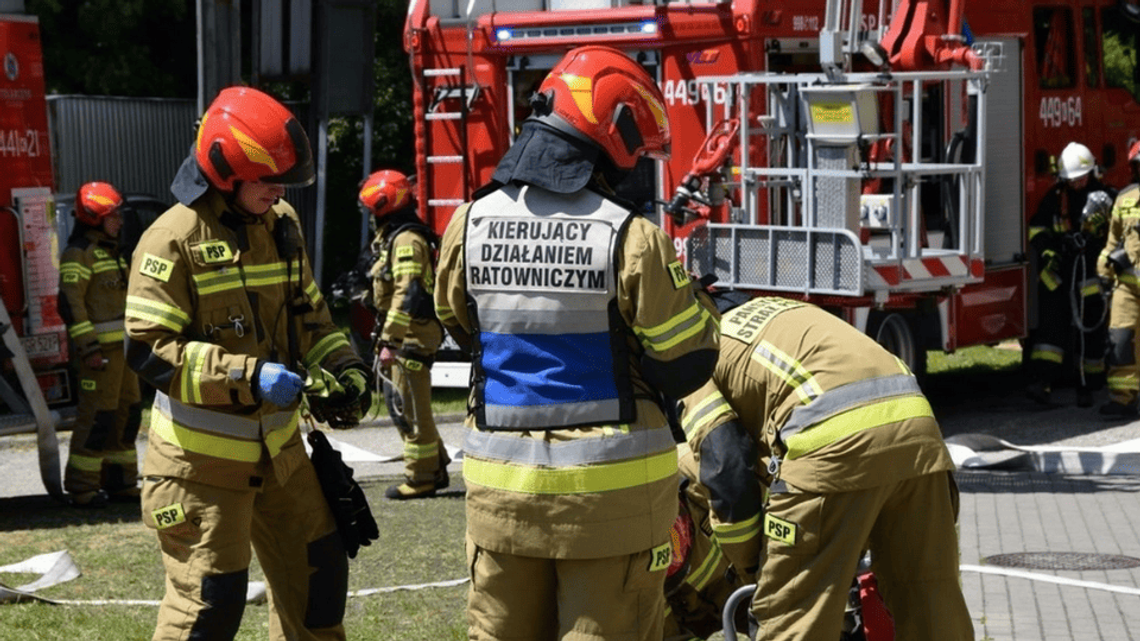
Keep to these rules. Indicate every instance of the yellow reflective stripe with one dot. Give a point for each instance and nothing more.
(859, 419)
(101, 266)
(1033, 231)
(124, 457)
(222, 280)
(396, 317)
(79, 269)
(263, 275)
(193, 361)
(739, 532)
(85, 463)
(676, 330)
(1049, 353)
(313, 292)
(1124, 383)
(324, 347)
(217, 446)
(155, 312)
(574, 480)
(276, 439)
(408, 269)
(1050, 280)
(444, 314)
(710, 407)
(420, 451)
(113, 336)
(703, 573)
(79, 329)
(788, 369)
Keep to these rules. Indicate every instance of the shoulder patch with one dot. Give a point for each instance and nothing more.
(155, 267)
(215, 251)
(407, 251)
(101, 253)
(679, 275)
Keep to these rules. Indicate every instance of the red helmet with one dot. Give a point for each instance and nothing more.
(248, 136)
(95, 201)
(600, 94)
(385, 191)
(1134, 152)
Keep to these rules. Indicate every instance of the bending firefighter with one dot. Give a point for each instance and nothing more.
(407, 332)
(1067, 233)
(102, 462)
(222, 306)
(579, 318)
(1118, 262)
(836, 429)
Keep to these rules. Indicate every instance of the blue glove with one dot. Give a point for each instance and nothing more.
(277, 384)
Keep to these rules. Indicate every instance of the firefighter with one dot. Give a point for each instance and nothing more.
(221, 309)
(579, 318)
(407, 333)
(1117, 263)
(700, 579)
(1070, 307)
(839, 433)
(102, 463)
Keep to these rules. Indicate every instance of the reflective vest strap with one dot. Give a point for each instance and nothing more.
(863, 418)
(575, 480)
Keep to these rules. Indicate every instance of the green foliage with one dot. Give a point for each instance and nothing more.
(119, 47)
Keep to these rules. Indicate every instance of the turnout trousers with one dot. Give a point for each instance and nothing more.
(424, 453)
(102, 452)
(205, 534)
(909, 528)
(1124, 317)
(535, 599)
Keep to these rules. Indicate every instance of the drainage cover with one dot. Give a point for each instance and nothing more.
(1063, 561)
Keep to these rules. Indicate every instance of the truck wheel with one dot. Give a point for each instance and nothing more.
(894, 332)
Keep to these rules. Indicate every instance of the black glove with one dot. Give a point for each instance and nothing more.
(354, 520)
(343, 401)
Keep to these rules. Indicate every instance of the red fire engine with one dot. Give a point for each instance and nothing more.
(33, 339)
(880, 159)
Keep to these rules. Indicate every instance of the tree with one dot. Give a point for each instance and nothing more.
(119, 47)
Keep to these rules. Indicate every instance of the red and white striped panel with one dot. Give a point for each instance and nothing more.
(916, 270)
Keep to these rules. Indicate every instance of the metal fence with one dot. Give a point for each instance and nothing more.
(136, 144)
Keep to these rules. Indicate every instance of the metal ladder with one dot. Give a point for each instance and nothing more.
(454, 87)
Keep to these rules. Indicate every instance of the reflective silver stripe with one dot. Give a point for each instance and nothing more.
(225, 424)
(842, 398)
(517, 321)
(541, 417)
(110, 326)
(531, 451)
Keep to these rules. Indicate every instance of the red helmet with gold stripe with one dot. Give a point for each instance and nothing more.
(385, 191)
(600, 94)
(95, 201)
(248, 136)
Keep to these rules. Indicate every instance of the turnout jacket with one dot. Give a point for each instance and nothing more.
(403, 280)
(597, 490)
(93, 292)
(1123, 231)
(207, 303)
(801, 401)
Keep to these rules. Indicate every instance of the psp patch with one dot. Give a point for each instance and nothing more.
(780, 530)
(660, 557)
(155, 267)
(216, 251)
(168, 516)
(679, 275)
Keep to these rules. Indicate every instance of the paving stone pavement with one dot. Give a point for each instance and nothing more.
(1002, 513)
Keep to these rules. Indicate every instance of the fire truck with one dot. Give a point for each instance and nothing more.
(33, 349)
(878, 158)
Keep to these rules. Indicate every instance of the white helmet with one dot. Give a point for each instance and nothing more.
(1076, 161)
